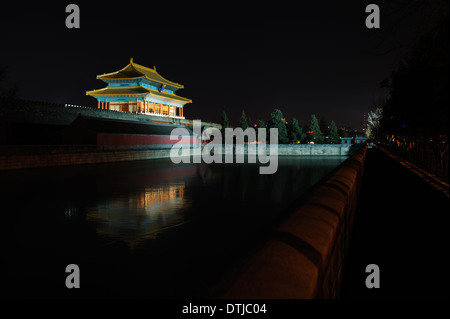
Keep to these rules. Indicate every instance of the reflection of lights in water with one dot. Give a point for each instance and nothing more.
(70, 212)
(142, 214)
(156, 197)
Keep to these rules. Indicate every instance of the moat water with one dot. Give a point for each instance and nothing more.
(141, 229)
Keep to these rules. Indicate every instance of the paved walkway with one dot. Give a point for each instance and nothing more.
(400, 225)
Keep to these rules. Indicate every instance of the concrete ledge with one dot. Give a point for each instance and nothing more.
(304, 256)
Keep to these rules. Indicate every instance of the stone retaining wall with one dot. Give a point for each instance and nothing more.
(304, 257)
(28, 156)
(309, 149)
(39, 159)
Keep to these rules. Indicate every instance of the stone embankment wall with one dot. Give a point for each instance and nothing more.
(29, 156)
(61, 155)
(304, 149)
(304, 256)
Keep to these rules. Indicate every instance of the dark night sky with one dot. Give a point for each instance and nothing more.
(316, 58)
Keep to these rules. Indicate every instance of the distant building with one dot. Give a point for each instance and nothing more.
(346, 140)
(139, 89)
(360, 139)
(353, 140)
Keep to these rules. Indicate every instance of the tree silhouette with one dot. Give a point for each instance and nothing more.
(415, 116)
(261, 124)
(316, 134)
(225, 123)
(295, 132)
(333, 137)
(373, 124)
(277, 122)
(323, 124)
(243, 123)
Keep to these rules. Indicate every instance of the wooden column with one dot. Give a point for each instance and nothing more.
(98, 106)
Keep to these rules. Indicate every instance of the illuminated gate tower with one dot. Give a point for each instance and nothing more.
(138, 89)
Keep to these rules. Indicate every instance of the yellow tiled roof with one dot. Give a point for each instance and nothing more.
(136, 90)
(134, 70)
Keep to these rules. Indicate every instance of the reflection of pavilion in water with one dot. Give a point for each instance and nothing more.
(141, 215)
(157, 197)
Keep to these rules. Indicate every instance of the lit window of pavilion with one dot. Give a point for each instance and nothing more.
(139, 89)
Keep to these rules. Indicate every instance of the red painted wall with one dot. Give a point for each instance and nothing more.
(128, 139)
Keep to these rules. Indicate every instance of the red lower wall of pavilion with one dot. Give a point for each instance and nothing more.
(128, 139)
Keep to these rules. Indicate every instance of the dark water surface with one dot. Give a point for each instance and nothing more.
(140, 229)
